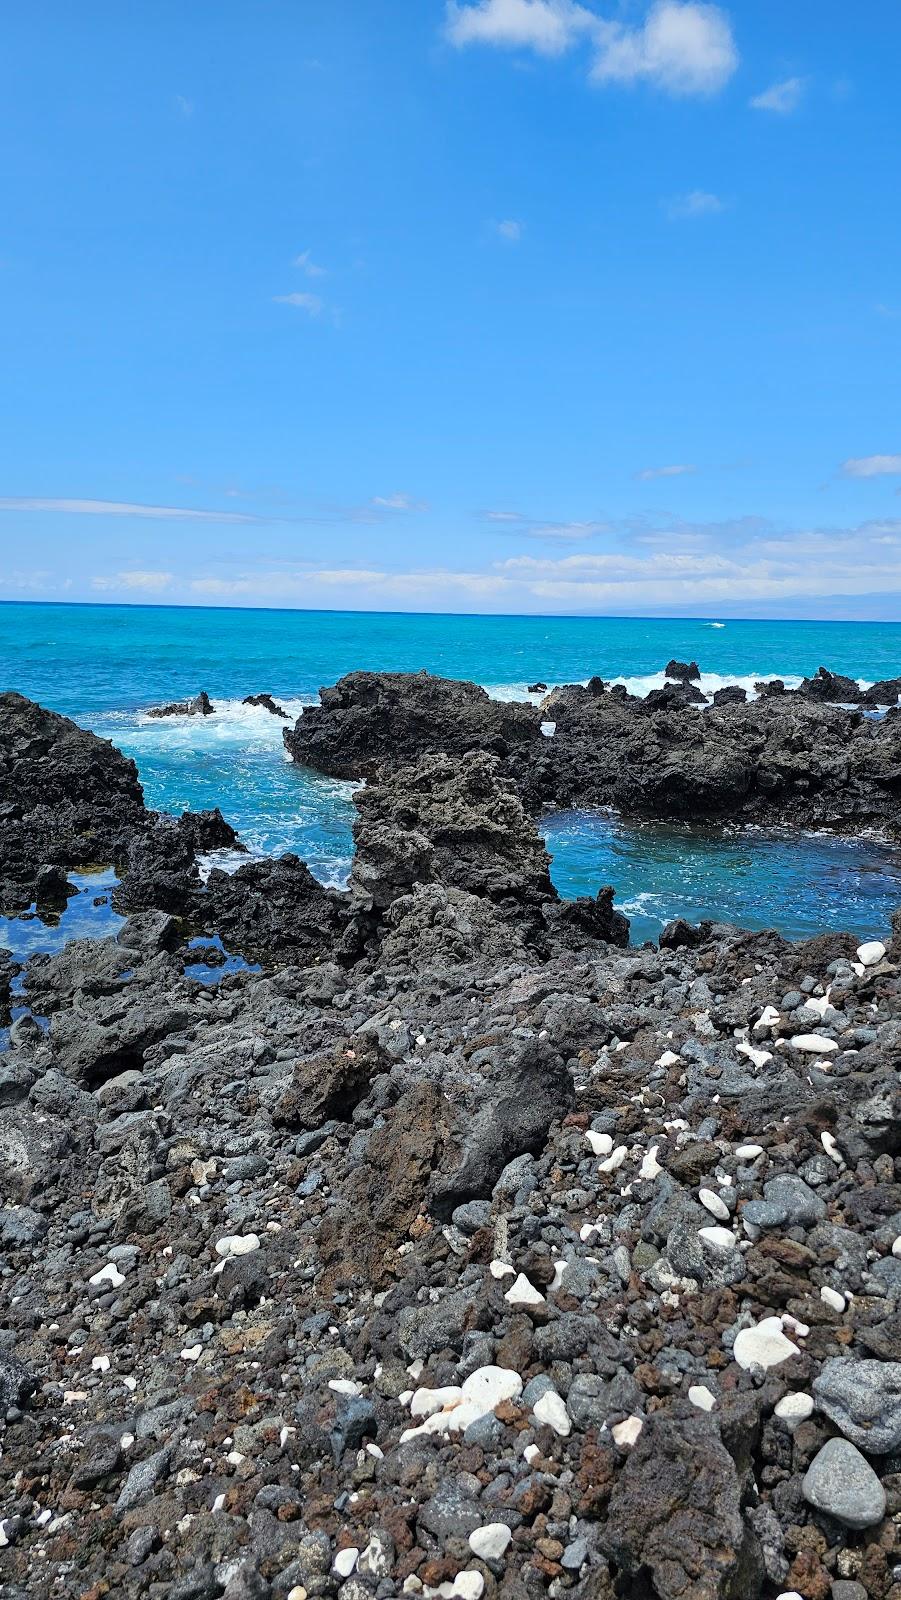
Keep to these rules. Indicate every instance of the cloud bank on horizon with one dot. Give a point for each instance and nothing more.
(482, 305)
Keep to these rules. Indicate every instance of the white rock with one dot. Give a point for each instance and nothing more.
(813, 1044)
(700, 1396)
(601, 1143)
(768, 1017)
(789, 1594)
(831, 1297)
(721, 1240)
(870, 954)
(712, 1203)
(426, 1402)
(749, 1152)
(827, 1140)
(650, 1166)
(297, 1593)
(764, 1346)
(469, 1585)
(615, 1161)
(109, 1274)
(480, 1393)
(192, 1353)
(896, 1247)
(345, 1386)
(794, 1409)
(237, 1244)
(100, 1364)
(490, 1542)
(758, 1057)
(530, 1452)
(501, 1269)
(626, 1433)
(668, 1059)
(345, 1561)
(523, 1293)
(551, 1409)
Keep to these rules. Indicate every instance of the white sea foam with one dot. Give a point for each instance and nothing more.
(642, 684)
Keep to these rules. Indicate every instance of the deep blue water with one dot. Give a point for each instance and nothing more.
(105, 665)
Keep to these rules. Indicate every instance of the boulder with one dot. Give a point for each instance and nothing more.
(200, 706)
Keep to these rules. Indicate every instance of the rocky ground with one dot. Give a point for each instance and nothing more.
(462, 1250)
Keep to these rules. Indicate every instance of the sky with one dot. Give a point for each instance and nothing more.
(505, 305)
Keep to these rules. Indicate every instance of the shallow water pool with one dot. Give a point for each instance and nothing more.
(800, 883)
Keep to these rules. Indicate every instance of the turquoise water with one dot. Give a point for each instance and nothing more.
(105, 665)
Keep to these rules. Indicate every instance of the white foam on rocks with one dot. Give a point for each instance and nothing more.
(765, 1346)
(490, 1542)
(712, 1203)
(551, 1409)
(237, 1244)
(523, 1293)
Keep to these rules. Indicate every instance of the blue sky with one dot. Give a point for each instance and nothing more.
(519, 305)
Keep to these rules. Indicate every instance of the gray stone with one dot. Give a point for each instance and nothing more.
(143, 1476)
(863, 1399)
(802, 1206)
(843, 1485)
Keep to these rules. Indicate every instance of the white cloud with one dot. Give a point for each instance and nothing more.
(872, 466)
(682, 46)
(648, 473)
(782, 98)
(509, 230)
(697, 203)
(548, 26)
(149, 582)
(398, 502)
(308, 265)
(119, 508)
(311, 303)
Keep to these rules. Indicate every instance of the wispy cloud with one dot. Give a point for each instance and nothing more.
(872, 466)
(399, 502)
(682, 47)
(697, 203)
(310, 303)
(148, 582)
(509, 230)
(120, 508)
(546, 527)
(307, 265)
(783, 98)
(647, 474)
(185, 106)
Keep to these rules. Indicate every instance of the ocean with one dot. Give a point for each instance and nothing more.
(106, 665)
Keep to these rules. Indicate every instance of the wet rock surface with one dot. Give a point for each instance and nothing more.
(460, 1251)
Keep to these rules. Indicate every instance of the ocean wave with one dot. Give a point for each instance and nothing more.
(232, 724)
(643, 683)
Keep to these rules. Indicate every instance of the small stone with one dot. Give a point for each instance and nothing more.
(840, 1482)
(764, 1346)
(625, 1434)
(523, 1293)
(749, 1152)
(794, 1409)
(551, 1409)
(721, 1241)
(346, 1560)
(831, 1297)
(712, 1203)
(601, 1143)
(863, 1399)
(700, 1396)
(490, 1542)
(814, 1044)
(237, 1244)
(871, 953)
(469, 1585)
(109, 1274)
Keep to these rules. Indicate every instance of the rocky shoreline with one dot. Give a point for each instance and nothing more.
(463, 1249)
